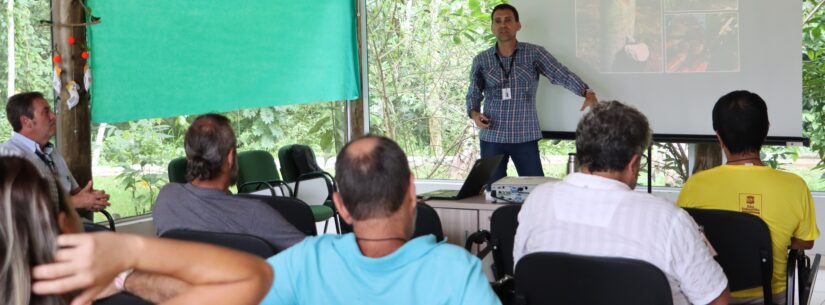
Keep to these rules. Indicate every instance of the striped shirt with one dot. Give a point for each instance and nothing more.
(591, 215)
(515, 120)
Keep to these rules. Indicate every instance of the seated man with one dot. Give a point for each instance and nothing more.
(204, 204)
(377, 264)
(596, 212)
(33, 122)
(745, 184)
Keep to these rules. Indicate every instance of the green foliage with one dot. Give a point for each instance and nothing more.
(813, 77)
(138, 150)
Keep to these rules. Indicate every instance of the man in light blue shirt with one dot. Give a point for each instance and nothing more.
(378, 263)
(33, 122)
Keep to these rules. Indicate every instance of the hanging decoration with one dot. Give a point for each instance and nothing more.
(56, 82)
(70, 40)
(87, 77)
(74, 97)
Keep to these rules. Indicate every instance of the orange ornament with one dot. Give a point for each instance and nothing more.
(70, 40)
(85, 55)
(56, 59)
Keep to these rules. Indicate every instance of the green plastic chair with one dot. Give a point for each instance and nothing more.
(177, 170)
(308, 169)
(256, 171)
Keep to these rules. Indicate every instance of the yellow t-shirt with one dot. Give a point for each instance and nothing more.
(780, 198)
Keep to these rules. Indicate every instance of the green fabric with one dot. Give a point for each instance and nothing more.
(162, 58)
(321, 212)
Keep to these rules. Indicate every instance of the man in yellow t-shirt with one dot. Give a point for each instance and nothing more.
(745, 184)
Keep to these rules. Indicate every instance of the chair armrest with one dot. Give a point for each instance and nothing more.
(478, 238)
(269, 185)
(109, 219)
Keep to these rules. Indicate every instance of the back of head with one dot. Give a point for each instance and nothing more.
(28, 230)
(208, 141)
(741, 120)
(20, 105)
(609, 135)
(373, 177)
(504, 6)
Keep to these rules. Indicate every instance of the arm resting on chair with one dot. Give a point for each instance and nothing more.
(798, 244)
(722, 299)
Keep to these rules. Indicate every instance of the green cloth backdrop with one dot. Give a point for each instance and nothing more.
(162, 58)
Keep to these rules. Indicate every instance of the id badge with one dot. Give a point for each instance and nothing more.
(505, 94)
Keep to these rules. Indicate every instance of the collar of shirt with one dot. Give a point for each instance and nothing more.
(492, 51)
(412, 250)
(595, 182)
(31, 145)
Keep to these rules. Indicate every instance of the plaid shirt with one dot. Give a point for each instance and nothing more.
(515, 120)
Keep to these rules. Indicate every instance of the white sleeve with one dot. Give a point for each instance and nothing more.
(700, 278)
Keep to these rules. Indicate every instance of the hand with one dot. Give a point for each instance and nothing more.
(481, 120)
(89, 198)
(590, 100)
(76, 265)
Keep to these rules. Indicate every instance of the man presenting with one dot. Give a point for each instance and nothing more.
(506, 77)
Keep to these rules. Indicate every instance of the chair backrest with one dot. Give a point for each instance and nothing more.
(294, 210)
(562, 278)
(255, 166)
(177, 170)
(242, 242)
(743, 242)
(296, 160)
(426, 222)
(503, 226)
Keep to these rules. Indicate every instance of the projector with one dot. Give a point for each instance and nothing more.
(516, 189)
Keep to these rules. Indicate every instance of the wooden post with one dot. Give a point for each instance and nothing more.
(73, 125)
(356, 107)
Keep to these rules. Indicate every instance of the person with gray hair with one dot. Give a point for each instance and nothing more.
(205, 204)
(597, 212)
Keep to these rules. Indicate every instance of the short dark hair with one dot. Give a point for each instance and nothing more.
(504, 6)
(373, 183)
(207, 143)
(741, 120)
(20, 105)
(609, 135)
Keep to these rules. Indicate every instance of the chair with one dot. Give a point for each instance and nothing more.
(294, 210)
(91, 227)
(242, 242)
(123, 298)
(299, 165)
(562, 278)
(256, 171)
(426, 222)
(500, 240)
(743, 244)
(800, 265)
(177, 170)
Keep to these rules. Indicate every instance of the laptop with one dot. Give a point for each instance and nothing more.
(479, 175)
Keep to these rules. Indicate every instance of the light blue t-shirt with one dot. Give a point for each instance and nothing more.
(330, 269)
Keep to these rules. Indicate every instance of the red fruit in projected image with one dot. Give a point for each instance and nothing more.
(70, 40)
(85, 54)
(56, 59)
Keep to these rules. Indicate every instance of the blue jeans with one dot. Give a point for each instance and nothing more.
(525, 156)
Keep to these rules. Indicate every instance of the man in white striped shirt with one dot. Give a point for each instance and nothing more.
(597, 212)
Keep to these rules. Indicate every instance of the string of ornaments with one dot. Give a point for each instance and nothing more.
(72, 87)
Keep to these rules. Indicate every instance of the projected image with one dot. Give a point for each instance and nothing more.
(620, 35)
(701, 5)
(703, 42)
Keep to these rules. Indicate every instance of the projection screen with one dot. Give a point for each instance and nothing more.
(672, 59)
